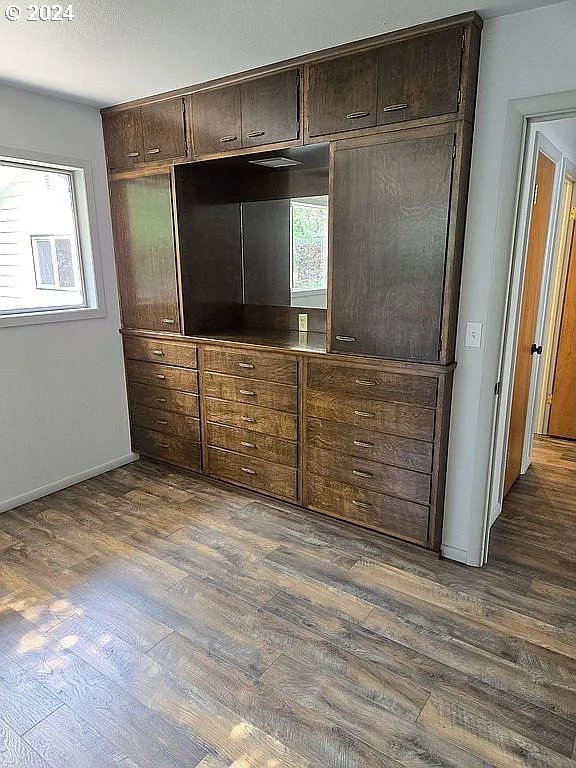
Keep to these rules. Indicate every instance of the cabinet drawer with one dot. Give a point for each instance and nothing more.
(373, 510)
(373, 383)
(181, 451)
(252, 365)
(252, 444)
(270, 395)
(393, 418)
(165, 399)
(252, 417)
(153, 350)
(393, 481)
(165, 421)
(253, 473)
(364, 444)
(168, 376)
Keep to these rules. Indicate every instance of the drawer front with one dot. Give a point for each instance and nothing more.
(392, 481)
(268, 394)
(181, 451)
(373, 510)
(165, 399)
(393, 418)
(260, 475)
(165, 421)
(364, 444)
(252, 417)
(252, 444)
(153, 350)
(252, 365)
(163, 375)
(372, 383)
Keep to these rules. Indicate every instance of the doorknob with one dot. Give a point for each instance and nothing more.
(536, 349)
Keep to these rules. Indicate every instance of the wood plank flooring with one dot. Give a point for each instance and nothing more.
(151, 620)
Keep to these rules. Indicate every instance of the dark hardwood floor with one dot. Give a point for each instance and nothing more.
(150, 620)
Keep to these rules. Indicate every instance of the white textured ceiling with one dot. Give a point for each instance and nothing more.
(116, 50)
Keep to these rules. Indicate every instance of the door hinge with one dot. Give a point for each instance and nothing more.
(454, 149)
(463, 46)
(549, 398)
(439, 347)
(573, 213)
(459, 95)
(535, 195)
(498, 388)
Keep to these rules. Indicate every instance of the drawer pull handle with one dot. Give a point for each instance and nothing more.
(345, 338)
(133, 154)
(248, 471)
(365, 414)
(160, 376)
(394, 107)
(255, 134)
(168, 321)
(248, 392)
(363, 504)
(154, 151)
(162, 421)
(362, 444)
(161, 399)
(356, 115)
(247, 445)
(245, 365)
(158, 352)
(249, 419)
(359, 473)
(164, 445)
(224, 139)
(365, 383)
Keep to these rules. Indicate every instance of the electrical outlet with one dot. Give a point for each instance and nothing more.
(473, 335)
(303, 322)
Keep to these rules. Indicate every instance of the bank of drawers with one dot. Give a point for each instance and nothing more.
(163, 399)
(250, 403)
(369, 446)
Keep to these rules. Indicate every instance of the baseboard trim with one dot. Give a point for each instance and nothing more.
(455, 553)
(65, 482)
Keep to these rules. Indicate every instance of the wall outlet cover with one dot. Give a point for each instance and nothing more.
(303, 322)
(473, 335)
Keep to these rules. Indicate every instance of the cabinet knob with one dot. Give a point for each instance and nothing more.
(160, 376)
(363, 504)
(248, 392)
(248, 471)
(245, 365)
(158, 352)
(249, 419)
(365, 383)
(247, 445)
(133, 154)
(255, 134)
(359, 473)
(356, 115)
(535, 349)
(394, 107)
(224, 139)
(345, 338)
(362, 444)
(154, 151)
(365, 414)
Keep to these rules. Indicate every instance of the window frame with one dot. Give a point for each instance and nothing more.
(83, 200)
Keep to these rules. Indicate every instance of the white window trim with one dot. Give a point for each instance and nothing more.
(88, 241)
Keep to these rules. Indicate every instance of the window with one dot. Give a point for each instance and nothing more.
(46, 265)
(309, 226)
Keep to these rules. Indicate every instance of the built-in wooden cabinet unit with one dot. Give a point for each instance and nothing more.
(351, 417)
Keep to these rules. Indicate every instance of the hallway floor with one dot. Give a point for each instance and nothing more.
(149, 619)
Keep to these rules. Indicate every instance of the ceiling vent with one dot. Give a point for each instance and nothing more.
(275, 162)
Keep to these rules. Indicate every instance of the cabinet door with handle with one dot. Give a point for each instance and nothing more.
(123, 138)
(270, 109)
(390, 216)
(216, 120)
(420, 78)
(342, 94)
(163, 130)
(145, 252)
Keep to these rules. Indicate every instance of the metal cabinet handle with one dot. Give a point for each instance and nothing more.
(160, 376)
(394, 107)
(365, 383)
(362, 444)
(158, 352)
(168, 321)
(365, 414)
(154, 151)
(133, 154)
(356, 115)
(161, 399)
(247, 445)
(249, 419)
(346, 338)
(255, 134)
(248, 471)
(363, 504)
(164, 445)
(245, 365)
(224, 139)
(358, 473)
(248, 392)
(162, 421)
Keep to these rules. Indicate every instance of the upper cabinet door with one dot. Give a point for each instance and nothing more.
(145, 252)
(342, 94)
(163, 128)
(420, 77)
(270, 109)
(390, 211)
(216, 120)
(123, 138)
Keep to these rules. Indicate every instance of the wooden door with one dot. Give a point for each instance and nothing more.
(216, 120)
(420, 77)
(145, 252)
(390, 210)
(270, 109)
(562, 421)
(535, 255)
(123, 138)
(342, 94)
(163, 130)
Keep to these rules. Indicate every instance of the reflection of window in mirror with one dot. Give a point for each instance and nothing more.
(309, 251)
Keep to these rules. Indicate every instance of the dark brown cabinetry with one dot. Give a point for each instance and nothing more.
(123, 138)
(216, 120)
(145, 252)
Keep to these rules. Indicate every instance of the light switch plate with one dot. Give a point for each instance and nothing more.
(303, 322)
(473, 335)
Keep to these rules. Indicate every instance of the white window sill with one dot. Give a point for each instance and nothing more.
(51, 316)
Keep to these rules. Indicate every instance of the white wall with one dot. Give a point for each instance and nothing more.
(63, 411)
(523, 55)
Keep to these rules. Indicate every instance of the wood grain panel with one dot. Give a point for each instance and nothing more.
(182, 451)
(275, 479)
(270, 109)
(252, 365)
(252, 444)
(165, 399)
(168, 376)
(281, 397)
(163, 129)
(160, 351)
(123, 138)
(252, 417)
(216, 120)
(169, 422)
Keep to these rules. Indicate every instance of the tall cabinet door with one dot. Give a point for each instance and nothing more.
(390, 212)
(145, 252)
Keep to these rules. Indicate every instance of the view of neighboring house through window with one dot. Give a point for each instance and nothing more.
(40, 265)
(309, 246)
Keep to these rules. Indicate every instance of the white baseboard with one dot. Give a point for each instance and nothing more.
(494, 513)
(454, 553)
(65, 482)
